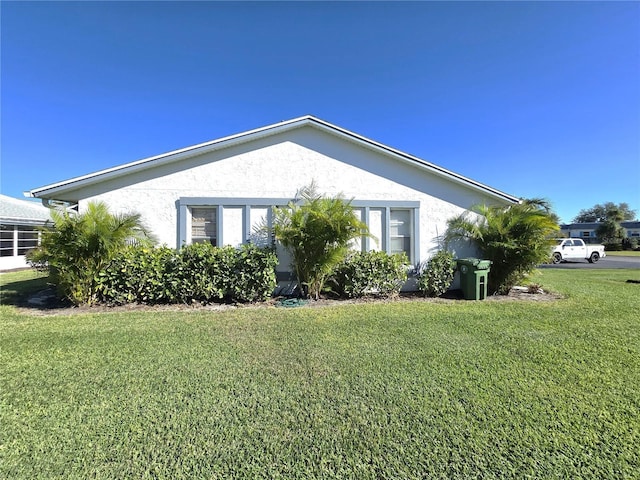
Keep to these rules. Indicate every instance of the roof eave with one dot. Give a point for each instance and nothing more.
(49, 191)
(406, 157)
(157, 160)
(24, 220)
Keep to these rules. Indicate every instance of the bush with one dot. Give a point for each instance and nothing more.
(630, 243)
(138, 274)
(434, 276)
(316, 230)
(613, 247)
(80, 245)
(205, 272)
(370, 273)
(516, 238)
(254, 274)
(196, 273)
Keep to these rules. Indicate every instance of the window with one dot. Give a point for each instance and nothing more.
(586, 234)
(27, 239)
(393, 227)
(400, 232)
(6, 241)
(231, 221)
(203, 225)
(18, 240)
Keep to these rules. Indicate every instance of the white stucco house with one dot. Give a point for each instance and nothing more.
(220, 190)
(20, 221)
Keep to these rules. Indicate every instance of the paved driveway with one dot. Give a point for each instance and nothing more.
(606, 262)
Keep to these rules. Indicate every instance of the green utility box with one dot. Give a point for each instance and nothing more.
(474, 275)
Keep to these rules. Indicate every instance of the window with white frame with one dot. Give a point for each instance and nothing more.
(6, 241)
(18, 239)
(28, 239)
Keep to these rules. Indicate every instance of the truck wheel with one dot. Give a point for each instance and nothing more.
(557, 258)
(595, 256)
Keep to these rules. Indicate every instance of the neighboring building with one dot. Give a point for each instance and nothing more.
(587, 231)
(20, 220)
(220, 190)
(631, 229)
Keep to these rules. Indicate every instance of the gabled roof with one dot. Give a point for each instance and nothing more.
(16, 211)
(50, 191)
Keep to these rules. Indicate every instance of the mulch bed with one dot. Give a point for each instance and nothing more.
(45, 303)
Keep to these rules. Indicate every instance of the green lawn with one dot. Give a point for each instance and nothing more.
(403, 390)
(624, 253)
(14, 286)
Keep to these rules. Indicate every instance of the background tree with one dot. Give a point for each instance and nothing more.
(79, 246)
(606, 211)
(516, 238)
(610, 232)
(608, 215)
(316, 230)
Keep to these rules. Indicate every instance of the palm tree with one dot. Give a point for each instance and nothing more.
(515, 238)
(316, 230)
(79, 246)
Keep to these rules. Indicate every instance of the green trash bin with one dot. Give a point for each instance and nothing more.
(474, 275)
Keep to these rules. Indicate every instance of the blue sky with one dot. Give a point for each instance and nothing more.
(536, 99)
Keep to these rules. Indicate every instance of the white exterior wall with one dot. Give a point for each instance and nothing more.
(632, 232)
(232, 221)
(13, 263)
(376, 228)
(275, 167)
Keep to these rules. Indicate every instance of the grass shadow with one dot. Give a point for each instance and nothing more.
(29, 291)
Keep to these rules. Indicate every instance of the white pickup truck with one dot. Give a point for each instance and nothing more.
(575, 248)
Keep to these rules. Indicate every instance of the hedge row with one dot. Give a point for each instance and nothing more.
(196, 273)
(206, 274)
(377, 273)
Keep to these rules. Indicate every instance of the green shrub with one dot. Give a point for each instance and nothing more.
(197, 273)
(516, 238)
(139, 274)
(254, 275)
(205, 272)
(434, 276)
(316, 230)
(210, 274)
(370, 273)
(80, 245)
(630, 243)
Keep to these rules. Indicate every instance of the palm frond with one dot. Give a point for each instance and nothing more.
(316, 231)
